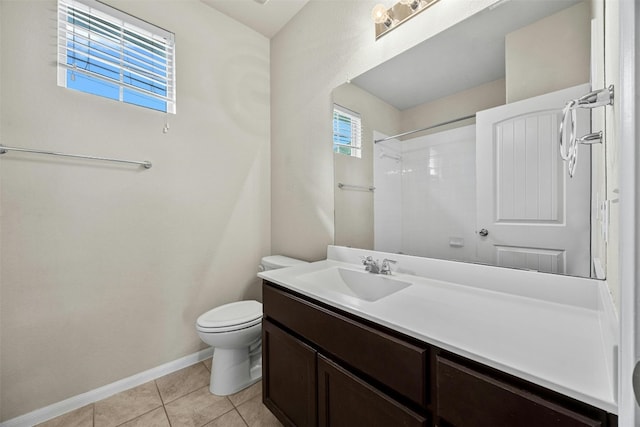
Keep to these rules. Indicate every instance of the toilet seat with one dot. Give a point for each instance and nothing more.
(231, 317)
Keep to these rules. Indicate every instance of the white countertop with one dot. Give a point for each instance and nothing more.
(564, 346)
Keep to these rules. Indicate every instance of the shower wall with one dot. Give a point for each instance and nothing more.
(387, 200)
(428, 197)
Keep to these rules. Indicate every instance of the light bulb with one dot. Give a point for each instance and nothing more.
(380, 15)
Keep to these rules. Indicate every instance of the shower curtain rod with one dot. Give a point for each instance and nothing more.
(423, 129)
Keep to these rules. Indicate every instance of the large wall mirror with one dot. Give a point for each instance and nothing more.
(484, 181)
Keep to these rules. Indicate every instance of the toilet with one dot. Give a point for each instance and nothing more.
(234, 330)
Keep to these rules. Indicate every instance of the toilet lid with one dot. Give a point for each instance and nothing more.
(233, 314)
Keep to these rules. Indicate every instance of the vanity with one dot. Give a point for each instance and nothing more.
(433, 345)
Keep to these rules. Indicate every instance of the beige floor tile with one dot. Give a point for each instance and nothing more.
(127, 405)
(255, 414)
(155, 418)
(207, 363)
(230, 419)
(82, 417)
(197, 408)
(248, 393)
(182, 382)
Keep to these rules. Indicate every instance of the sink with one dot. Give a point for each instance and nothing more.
(354, 283)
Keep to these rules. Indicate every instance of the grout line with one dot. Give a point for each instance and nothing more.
(155, 382)
(230, 401)
(141, 415)
(222, 415)
(164, 408)
(242, 418)
(166, 414)
(182, 395)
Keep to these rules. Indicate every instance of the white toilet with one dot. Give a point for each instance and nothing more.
(235, 332)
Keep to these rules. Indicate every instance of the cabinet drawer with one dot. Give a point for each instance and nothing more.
(345, 400)
(391, 361)
(467, 398)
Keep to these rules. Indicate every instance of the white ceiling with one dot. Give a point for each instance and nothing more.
(467, 55)
(266, 19)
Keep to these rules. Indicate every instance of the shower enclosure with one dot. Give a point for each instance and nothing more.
(425, 202)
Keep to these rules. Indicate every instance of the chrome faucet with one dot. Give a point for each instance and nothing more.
(374, 266)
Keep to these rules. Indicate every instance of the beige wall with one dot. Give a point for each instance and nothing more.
(305, 67)
(105, 268)
(550, 54)
(451, 107)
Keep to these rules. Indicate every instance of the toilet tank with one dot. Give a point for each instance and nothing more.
(278, 261)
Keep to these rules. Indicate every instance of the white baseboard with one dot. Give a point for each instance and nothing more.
(75, 402)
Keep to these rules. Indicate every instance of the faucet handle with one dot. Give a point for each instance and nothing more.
(386, 268)
(367, 262)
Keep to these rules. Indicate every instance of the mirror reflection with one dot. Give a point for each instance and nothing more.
(457, 157)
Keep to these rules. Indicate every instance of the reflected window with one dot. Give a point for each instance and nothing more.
(347, 132)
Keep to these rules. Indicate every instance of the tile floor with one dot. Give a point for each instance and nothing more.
(179, 399)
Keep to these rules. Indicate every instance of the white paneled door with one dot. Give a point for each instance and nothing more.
(530, 213)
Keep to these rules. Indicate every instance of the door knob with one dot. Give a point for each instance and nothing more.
(484, 232)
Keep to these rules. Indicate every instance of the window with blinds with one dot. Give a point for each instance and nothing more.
(106, 52)
(347, 132)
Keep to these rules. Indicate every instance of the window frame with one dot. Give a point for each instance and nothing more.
(353, 148)
(114, 33)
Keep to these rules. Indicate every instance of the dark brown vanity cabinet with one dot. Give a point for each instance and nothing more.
(468, 398)
(325, 367)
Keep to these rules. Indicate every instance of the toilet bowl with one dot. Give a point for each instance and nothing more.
(234, 330)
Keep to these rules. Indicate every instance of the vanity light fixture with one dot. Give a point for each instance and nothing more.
(413, 4)
(387, 19)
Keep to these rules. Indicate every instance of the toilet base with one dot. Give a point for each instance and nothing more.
(233, 370)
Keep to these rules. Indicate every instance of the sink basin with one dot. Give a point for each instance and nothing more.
(353, 283)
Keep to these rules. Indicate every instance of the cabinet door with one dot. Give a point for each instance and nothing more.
(289, 377)
(345, 400)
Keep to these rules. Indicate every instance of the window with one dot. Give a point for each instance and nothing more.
(347, 132)
(108, 53)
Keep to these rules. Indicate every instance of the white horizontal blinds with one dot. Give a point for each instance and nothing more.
(347, 131)
(118, 50)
